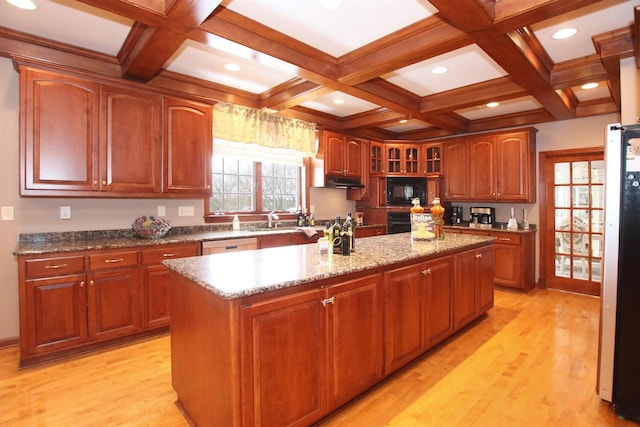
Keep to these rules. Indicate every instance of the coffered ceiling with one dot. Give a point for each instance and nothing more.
(377, 57)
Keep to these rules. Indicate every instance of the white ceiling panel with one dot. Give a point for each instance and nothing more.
(511, 106)
(405, 127)
(69, 22)
(419, 79)
(335, 32)
(600, 92)
(258, 72)
(351, 105)
(589, 21)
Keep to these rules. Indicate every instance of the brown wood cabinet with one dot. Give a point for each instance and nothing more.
(350, 348)
(187, 141)
(403, 159)
(473, 285)
(418, 310)
(376, 156)
(514, 257)
(342, 155)
(289, 357)
(88, 137)
(497, 167)
(77, 301)
(432, 154)
(130, 141)
(156, 282)
(377, 230)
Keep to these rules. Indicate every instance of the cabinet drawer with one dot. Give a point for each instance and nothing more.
(507, 238)
(58, 266)
(156, 256)
(113, 260)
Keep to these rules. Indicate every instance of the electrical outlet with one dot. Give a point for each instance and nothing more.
(185, 211)
(7, 213)
(65, 212)
(162, 211)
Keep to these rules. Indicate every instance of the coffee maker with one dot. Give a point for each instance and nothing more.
(456, 215)
(482, 217)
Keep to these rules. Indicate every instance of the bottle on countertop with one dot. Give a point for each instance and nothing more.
(300, 217)
(312, 221)
(347, 227)
(236, 223)
(336, 234)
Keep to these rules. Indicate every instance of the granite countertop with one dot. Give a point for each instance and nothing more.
(44, 243)
(238, 274)
(502, 227)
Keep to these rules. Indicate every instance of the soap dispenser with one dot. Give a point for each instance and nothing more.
(236, 223)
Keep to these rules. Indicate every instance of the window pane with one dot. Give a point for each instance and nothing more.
(597, 172)
(562, 219)
(562, 173)
(597, 196)
(232, 185)
(279, 187)
(597, 221)
(580, 172)
(581, 195)
(563, 197)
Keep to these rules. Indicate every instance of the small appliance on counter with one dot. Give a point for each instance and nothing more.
(456, 215)
(482, 217)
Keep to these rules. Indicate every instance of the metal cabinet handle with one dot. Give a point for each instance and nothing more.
(478, 256)
(426, 272)
(168, 255)
(91, 282)
(113, 260)
(54, 266)
(227, 248)
(504, 238)
(326, 301)
(82, 284)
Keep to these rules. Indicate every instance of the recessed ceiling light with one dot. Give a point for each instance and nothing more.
(439, 70)
(403, 121)
(23, 4)
(589, 85)
(330, 4)
(565, 33)
(232, 67)
(338, 101)
(493, 104)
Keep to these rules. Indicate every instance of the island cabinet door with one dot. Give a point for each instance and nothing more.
(473, 284)
(354, 310)
(283, 360)
(403, 308)
(438, 313)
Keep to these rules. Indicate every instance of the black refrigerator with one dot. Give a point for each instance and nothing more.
(619, 358)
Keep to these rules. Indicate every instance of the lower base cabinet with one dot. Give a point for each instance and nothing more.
(418, 310)
(75, 301)
(473, 285)
(331, 355)
(299, 355)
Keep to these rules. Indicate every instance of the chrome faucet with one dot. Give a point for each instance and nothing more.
(272, 215)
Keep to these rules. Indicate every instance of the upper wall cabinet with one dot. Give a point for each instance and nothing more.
(90, 138)
(58, 133)
(403, 159)
(342, 155)
(376, 156)
(492, 167)
(187, 132)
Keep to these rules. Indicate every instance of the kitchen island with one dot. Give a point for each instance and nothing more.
(285, 336)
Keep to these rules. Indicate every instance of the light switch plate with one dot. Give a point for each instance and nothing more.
(7, 213)
(162, 211)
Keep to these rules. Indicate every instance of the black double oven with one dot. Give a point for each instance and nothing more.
(400, 193)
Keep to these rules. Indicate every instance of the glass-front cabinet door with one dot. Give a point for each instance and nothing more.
(376, 166)
(433, 159)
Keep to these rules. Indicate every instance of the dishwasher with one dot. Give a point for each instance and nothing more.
(229, 245)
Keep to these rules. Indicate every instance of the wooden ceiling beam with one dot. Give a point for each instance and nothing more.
(292, 93)
(514, 14)
(612, 46)
(636, 33)
(423, 40)
(578, 72)
(455, 99)
(373, 118)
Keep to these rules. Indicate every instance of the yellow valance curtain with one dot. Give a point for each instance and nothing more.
(247, 125)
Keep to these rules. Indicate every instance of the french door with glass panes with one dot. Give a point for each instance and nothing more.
(574, 219)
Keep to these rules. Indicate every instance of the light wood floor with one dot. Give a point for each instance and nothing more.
(530, 362)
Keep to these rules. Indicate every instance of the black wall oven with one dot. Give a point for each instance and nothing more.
(398, 222)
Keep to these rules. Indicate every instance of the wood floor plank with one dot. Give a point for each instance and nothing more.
(530, 362)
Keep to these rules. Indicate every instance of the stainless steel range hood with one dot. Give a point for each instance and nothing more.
(343, 182)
